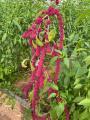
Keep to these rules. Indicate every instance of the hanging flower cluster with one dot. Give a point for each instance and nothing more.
(41, 38)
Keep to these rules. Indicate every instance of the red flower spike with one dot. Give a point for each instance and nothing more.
(33, 51)
(48, 48)
(26, 89)
(39, 30)
(40, 64)
(58, 99)
(30, 42)
(26, 35)
(46, 36)
(40, 52)
(57, 12)
(41, 81)
(57, 71)
(34, 100)
(33, 35)
(61, 28)
(57, 2)
(48, 22)
(33, 26)
(37, 51)
(39, 20)
(34, 116)
(33, 61)
(44, 12)
(33, 75)
(51, 11)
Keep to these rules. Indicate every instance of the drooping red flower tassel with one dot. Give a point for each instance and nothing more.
(57, 70)
(41, 61)
(48, 49)
(57, 2)
(37, 51)
(38, 55)
(39, 20)
(26, 89)
(41, 81)
(61, 28)
(34, 100)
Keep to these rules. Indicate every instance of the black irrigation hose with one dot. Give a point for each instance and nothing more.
(22, 101)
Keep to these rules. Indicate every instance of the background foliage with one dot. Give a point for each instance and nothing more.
(15, 17)
(74, 82)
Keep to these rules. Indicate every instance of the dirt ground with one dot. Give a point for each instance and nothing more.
(7, 113)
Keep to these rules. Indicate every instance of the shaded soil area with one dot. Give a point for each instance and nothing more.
(7, 113)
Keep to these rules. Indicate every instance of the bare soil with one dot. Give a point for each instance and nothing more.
(7, 113)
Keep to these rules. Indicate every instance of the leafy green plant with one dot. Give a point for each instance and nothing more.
(17, 15)
(74, 81)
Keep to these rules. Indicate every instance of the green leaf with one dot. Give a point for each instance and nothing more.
(60, 109)
(81, 49)
(53, 114)
(54, 86)
(89, 93)
(88, 73)
(53, 60)
(63, 95)
(1, 32)
(66, 81)
(17, 24)
(39, 42)
(72, 108)
(87, 60)
(30, 95)
(66, 62)
(78, 86)
(85, 102)
(4, 37)
(77, 81)
(71, 37)
(81, 71)
(34, 45)
(78, 99)
(52, 95)
(76, 115)
(52, 35)
(27, 114)
(62, 53)
(84, 14)
(58, 51)
(1, 76)
(84, 115)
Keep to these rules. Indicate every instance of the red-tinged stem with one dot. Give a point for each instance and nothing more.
(58, 1)
(29, 85)
(41, 61)
(34, 100)
(61, 29)
(27, 88)
(38, 51)
(67, 113)
(57, 71)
